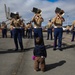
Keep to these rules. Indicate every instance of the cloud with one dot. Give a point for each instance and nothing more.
(24, 7)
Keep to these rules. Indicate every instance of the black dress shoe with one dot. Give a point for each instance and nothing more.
(72, 40)
(60, 49)
(16, 49)
(47, 38)
(54, 49)
(51, 39)
(22, 50)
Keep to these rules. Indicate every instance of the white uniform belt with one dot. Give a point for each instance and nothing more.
(57, 26)
(17, 27)
(37, 27)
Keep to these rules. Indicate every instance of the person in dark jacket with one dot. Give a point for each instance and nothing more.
(40, 55)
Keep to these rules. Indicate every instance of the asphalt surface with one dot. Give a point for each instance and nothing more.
(21, 63)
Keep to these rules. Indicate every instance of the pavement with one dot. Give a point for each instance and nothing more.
(21, 63)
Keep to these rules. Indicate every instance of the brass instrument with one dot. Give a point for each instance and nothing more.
(36, 10)
(59, 10)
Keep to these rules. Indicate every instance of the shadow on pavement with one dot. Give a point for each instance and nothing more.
(3, 51)
(54, 65)
(48, 46)
(68, 46)
(13, 51)
(65, 46)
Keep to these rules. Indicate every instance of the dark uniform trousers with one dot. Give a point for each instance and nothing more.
(38, 33)
(39, 62)
(4, 33)
(11, 33)
(49, 32)
(58, 35)
(30, 33)
(73, 35)
(26, 33)
(67, 31)
(17, 34)
(23, 33)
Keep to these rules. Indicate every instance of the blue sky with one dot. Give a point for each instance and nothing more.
(53, 0)
(24, 7)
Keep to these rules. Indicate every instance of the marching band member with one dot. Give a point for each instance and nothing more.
(37, 19)
(26, 28)
(67, 29)
(17, 33)
(11, 30)
(29, 30)
(4, 29)
(73, 30)
(49, 31)
(23, 28)
(58, 22)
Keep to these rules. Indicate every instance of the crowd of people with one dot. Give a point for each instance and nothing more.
(19, 30)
